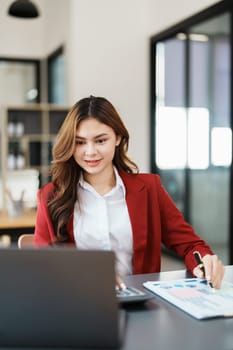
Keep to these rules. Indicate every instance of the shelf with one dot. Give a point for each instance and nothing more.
(27, 134)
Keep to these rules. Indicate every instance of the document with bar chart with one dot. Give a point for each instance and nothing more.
(195, 296)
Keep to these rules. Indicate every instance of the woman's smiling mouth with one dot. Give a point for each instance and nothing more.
(92, 163)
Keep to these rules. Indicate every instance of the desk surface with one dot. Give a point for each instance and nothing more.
(26, 220)
(161, 326)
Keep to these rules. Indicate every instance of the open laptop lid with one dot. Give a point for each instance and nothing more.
(58, 298)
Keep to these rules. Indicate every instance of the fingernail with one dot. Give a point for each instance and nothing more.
(122, 286)
(199, 274)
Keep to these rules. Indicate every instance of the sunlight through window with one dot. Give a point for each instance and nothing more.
(182, 141)
(221, 150)
(171, 138)
(198, 138)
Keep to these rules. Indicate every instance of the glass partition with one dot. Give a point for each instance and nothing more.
(191, 123)
(209, 186)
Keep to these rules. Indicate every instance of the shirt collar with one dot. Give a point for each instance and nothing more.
(119, 183)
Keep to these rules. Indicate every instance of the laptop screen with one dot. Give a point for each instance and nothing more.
(58, 297)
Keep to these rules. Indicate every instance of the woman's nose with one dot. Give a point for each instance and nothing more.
(90, 148)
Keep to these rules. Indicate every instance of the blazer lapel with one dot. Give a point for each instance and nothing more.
(137, 202)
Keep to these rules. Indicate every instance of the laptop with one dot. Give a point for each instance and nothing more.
(59, 298)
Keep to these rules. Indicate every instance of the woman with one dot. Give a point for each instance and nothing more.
(98, 200)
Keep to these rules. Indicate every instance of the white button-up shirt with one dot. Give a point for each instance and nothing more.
(102, 222)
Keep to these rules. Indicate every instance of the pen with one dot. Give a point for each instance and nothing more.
(201, 266)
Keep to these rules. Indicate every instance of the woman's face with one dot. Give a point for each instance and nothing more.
(95, 146)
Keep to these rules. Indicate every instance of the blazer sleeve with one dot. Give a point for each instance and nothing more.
(177, 234)
(44, 233)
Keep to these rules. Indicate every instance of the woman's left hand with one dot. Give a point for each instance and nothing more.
(119, 283)
(214, 270)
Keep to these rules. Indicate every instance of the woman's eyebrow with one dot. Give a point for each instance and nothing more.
(101, 135)
(95, 137)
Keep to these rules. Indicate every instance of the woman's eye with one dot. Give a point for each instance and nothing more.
(100, 141)
(79, 142)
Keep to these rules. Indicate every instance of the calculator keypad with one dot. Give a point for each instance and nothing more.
(131, 294)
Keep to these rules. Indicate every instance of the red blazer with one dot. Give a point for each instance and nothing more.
(154, 219)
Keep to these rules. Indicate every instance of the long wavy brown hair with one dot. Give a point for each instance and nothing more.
(66, 172)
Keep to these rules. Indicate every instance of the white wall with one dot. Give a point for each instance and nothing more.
(34, 38)
(56, 25)
(20, 37)
(166, 13)
(109, 56)
(107, 43)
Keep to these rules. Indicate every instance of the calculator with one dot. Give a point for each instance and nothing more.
(132, 295)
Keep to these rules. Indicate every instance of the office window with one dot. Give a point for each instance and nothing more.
(19, 81)
(56, 77)
(191, 123)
